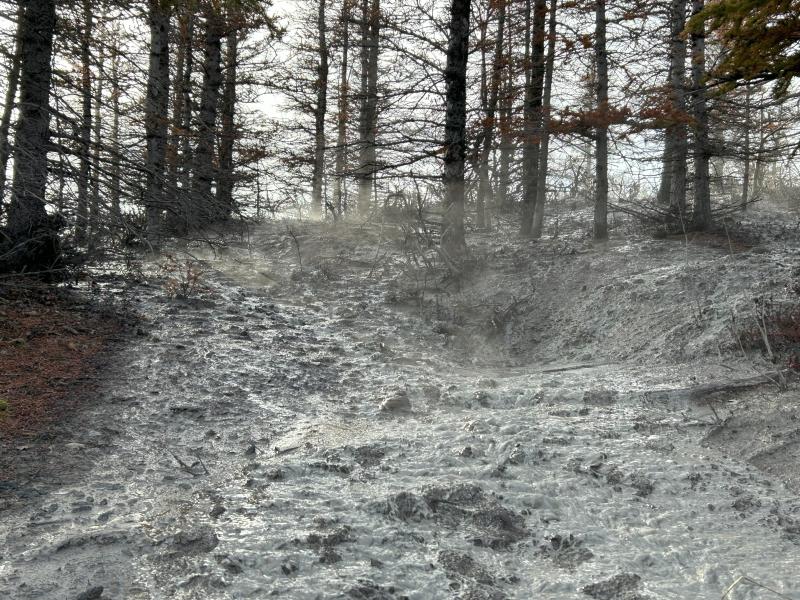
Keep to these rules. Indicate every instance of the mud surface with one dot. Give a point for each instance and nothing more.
(314, 433)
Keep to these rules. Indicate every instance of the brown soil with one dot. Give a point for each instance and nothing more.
(50, 341)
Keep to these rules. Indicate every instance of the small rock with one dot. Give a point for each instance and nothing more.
(91, 594)
(619, 587)
(217, 511)
(251, 450)
(397, 403)
(466, 452)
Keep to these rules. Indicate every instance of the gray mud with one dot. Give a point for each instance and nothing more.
(308, 433)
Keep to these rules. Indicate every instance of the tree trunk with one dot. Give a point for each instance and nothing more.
(186, 112)
(506, 145)
(342, 117)
(202, 209)
(116, 170)
(157, 115)
(747, 125)
(176, 134)
(30, 234)
(672, 190)
(228, 134)
(8, 107)
(94, 205)
(85, 133)
(601, 131)
(321, 108)
(541, 181)
(453, 241)
(491, 108)
(368, 114)
(702, 192)
(533, 118)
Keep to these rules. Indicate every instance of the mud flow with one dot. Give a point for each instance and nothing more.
(334, 430)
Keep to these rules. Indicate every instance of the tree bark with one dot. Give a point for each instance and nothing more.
(227, 138)
(157, 115)
(116, 169)
(31, 236)
(343, 116)
(541, 181)
(702, 192)
(601, 131)
(533, 118)
(94, 204)
(186, 112)
(489, 119)
(453, 243)
(672, 190)
(202, 209)
(368, 113)
(8, 107)
(747, 125)
(506, 145)
(320, 110)
(85, 132)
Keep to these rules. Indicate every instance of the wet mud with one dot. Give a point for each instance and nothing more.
(298, 432)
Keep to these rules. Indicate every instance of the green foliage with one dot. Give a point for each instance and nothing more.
(760, 38)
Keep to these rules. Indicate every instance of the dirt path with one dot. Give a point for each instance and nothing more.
(298, 437)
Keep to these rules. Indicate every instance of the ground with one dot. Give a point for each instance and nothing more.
(324, 412)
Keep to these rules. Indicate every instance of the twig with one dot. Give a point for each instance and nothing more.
(745, 579)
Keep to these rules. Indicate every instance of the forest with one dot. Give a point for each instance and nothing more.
(381, 299)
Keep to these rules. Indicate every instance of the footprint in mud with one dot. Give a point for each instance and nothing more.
(566, 552)
(468, 578)
(464, 507)
(619, 587)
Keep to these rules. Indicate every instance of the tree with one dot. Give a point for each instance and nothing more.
(453, 241)
(601, 129)
(533, 117)
(487, 139)
(31, 237)
(343, 113)
(541, 182)
(368, 111)
(227, 136)
(673, 175)
(202, 211)
(156, 113)
(759, 37)
(320, 110)
(8, 108)
(702, 194)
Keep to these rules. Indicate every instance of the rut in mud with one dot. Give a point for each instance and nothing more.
(308, 432)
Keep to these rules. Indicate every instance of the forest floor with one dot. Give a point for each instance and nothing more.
(327, 413)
